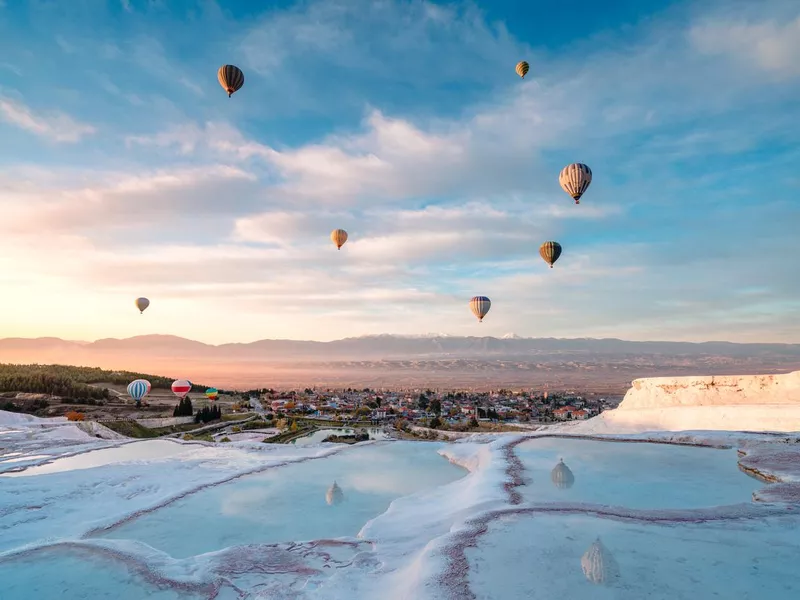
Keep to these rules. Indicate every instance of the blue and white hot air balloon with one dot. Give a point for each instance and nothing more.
(138, 389)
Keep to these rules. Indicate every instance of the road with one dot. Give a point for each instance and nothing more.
(255, 404)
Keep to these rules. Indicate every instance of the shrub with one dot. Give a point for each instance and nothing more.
(236, 429)
(225, 439)
(74, 416)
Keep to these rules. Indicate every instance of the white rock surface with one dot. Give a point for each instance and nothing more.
(717, 403)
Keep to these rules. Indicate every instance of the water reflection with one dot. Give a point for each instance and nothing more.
(599, 565)
(334, 495)
(562, 476)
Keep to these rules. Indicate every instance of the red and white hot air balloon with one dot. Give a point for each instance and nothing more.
(181, 387)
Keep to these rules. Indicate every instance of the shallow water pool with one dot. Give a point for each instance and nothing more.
(145, 450)
(292, 503)
(71, 575)
(634, 475)
(551, 556)
(319, 436)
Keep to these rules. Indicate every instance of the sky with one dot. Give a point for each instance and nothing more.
(126, 171)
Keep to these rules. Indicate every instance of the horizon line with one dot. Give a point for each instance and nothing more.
(399, 335)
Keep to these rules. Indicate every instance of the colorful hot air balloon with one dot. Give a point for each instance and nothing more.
(339, 237)
(522, 68)
(141, 304)
(480, 305)
(230, 78)
(211, 393)
(575, 179)
(181, 387)
(138, 389)
(550, 251)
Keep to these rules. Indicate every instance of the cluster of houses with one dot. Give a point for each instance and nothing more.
(502, 405)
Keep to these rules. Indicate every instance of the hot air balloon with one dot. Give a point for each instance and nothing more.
(230, 78)
(480, 305)
(339, 237)
(522, 68)
(334, 495)
(142, 304)
(550, 251)
(599, 565)
(181, 387)
(561, 476)
(575, 179)
(212, 393)
(138, 389)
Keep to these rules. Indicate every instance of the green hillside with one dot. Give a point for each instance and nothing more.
(73, 382)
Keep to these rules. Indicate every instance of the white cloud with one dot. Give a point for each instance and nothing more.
(53, 125)
(234, 229)
(767, 44)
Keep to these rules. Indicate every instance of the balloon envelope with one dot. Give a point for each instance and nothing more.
(181, 387)
(142, 303)
(231, 78)
(522, 68)
(339, 237)
(480, 305)
(138, 389)
(550, 251)
(575, 180)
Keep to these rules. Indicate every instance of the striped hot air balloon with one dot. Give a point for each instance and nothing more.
(575, 180)
(522, 68)
(230, 78)
(339, 237)
(181, 387)
(138, 389)
(550, 251)
(212, 393)
(480, 305)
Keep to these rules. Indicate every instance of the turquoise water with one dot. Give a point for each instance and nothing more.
(77, 575)
(634, 475)
(318, 436)
(289, 503)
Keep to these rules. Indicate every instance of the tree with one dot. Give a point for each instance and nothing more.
(436, 406)
(422, 402)
(473, 422)
(435, 423)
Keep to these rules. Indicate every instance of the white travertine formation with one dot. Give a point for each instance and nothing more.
(720, 403)
(713, 390)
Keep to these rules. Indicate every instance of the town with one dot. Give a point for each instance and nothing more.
(434, 408)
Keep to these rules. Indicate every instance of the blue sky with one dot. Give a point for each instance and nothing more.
(125, 169)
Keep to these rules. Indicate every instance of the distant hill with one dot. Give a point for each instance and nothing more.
(381, 347)
(394, 360)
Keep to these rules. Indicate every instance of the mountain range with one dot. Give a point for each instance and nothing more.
(434, 359)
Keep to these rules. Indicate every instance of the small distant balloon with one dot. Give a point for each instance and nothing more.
(575, 180)
(230, 78)
(550, 251)
(138, 389)
(142, 304)
(212, 393)
(522, 68)
(339, 237)
(480, 305)
(181, 387)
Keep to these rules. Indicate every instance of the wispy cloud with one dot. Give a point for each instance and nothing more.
(764, 43)
(54, 125)
(441, 163)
